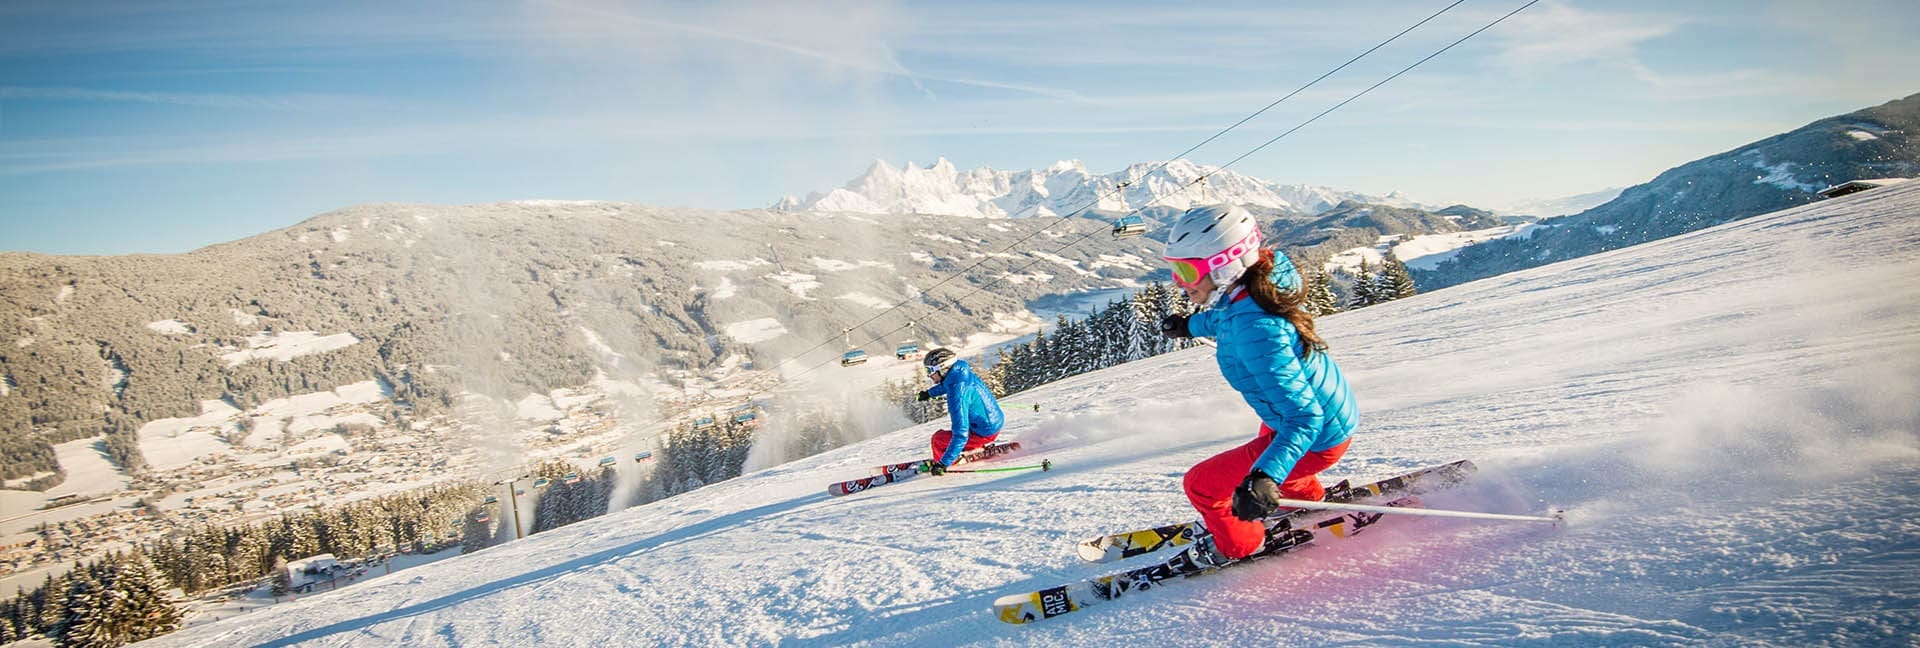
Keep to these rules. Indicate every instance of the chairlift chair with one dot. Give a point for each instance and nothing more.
(906, 351)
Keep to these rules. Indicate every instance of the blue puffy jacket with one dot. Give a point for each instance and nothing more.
(971, 408)
(1305, 400)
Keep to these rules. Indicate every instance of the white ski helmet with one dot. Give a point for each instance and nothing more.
(1221, 241)
(939, 360)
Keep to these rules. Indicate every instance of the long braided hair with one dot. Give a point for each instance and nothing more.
(1291, 305)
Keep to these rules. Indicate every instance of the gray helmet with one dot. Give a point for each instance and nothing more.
(939, 360)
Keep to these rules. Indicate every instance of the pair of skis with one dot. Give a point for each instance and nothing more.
(897, 472)
(1285, 533)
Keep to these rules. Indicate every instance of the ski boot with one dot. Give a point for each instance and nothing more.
(1341, 492)
(1200, 556)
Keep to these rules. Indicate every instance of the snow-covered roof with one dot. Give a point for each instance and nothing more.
(317, 560)
(1852, 186)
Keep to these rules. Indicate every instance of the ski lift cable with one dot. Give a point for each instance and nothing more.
(1162, 166)
(1243, 156)
(1308, 84)
(1203, 178)
(1370, 88)
(1096, 201)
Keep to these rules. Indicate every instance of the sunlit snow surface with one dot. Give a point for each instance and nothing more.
(1729, 418)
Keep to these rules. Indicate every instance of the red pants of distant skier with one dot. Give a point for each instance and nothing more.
(1210, 485)
(944, 437)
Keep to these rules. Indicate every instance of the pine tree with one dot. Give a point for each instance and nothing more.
(1110, 332)
(1320, 297)
(149, 612)
(1070, 348)
(1395, 281)
(78, 605)
(1142, 329)
(52, 611)
(1363, 288)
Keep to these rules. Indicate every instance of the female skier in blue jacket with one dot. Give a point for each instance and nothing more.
(1268, 351)
(973, 415)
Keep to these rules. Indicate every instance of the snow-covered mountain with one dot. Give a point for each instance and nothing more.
(1760, 177)
(1550, 207)
(1730, 427)
(1064, 188)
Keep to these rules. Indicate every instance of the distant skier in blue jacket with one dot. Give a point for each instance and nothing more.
(1268, 351)
(974, 417)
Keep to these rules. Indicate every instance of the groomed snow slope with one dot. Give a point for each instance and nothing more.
(1728, 417)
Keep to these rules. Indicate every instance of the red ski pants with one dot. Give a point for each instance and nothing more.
(974, 442)
(1210, 485)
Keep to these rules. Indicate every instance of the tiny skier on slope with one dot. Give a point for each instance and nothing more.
(974, 417)
(1268, 351)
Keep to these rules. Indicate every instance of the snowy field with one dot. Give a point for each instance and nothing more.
(1728, 417)
(1423, 252)
(1429, 251)
(174, 443)
(287, 346)
(89, 474)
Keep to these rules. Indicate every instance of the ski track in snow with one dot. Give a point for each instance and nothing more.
(1730, 418)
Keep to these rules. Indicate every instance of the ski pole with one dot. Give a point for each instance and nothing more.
(1045, 464)
(1033, 406)
(1337, 506)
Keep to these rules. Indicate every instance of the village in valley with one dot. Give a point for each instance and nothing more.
(230, 468)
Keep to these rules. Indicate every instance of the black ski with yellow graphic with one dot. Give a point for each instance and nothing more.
(1290, 534)
(1121, 546)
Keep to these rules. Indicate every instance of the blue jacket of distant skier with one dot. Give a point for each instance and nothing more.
(971, 409)
(1303, 398)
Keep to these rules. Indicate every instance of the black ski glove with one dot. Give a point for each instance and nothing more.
(936, 468)
(923, 396)
(1175, 326)
(1256, 498)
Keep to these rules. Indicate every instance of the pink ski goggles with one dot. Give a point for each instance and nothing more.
(1187, 272)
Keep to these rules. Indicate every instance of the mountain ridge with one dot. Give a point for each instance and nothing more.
(1065, 187)
(1766, 175)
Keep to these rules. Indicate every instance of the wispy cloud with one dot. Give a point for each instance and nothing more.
(1126, 40)
(572, 132)
(1734, 83)
(852, 36)
(1555, 33)
(288, 102)
(870, 55)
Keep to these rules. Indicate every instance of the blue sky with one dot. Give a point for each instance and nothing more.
(147, 127)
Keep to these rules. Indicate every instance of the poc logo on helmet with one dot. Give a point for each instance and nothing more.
(1236, 251)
